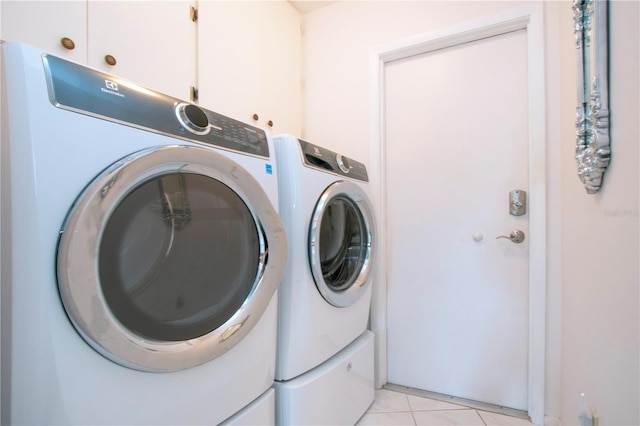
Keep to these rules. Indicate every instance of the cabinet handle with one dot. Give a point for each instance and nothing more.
(67, 43)
(109, 59)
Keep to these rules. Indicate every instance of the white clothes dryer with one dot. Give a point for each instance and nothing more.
(142, 253)
(326, 291)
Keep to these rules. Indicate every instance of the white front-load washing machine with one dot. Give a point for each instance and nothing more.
(142, 253)
(324, 364)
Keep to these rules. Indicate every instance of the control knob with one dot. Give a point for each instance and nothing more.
(193, 118)
(343, 163)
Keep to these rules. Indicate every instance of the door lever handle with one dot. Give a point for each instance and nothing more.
(515, 236)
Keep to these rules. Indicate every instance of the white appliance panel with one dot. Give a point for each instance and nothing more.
(53, 375)
(337, 392)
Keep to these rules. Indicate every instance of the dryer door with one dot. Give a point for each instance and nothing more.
(341, 243)
(169, 258)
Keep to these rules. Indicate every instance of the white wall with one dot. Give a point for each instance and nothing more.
(336, 44)
(592, 255)
(1, 85)
(600, 280)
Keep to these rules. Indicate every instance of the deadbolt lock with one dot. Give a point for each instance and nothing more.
(517, 202)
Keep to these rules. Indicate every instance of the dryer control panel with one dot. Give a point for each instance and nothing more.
(87, 91)
(323, 159)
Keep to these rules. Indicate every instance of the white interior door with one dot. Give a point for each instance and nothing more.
(456, 145)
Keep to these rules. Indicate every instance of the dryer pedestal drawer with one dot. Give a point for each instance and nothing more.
(338, 391)
(259, 412)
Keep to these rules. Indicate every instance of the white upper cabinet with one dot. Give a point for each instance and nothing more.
(243, 57)
(149, 42)
(47, 24)
(249, 62)
(152, 42)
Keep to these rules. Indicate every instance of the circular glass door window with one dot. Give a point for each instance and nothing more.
(341, 243)
(178, 257)
(169, 258)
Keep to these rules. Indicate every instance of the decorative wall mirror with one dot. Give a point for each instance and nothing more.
(593, 151)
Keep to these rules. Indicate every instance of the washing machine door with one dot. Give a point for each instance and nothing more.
(341, 243)
(169, 258)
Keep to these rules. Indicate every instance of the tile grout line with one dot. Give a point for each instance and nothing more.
(413, 416)
(481, 418)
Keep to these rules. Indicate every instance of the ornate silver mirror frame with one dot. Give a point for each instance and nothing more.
(593, 151)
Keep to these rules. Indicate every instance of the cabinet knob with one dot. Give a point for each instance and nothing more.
(270, 123)
(67, 43)
(255, 117)
(109, 59)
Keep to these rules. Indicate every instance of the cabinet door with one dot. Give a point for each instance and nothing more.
(281, 69)
(44, 23)
(229, 52)
(152, 42)
(249, 56)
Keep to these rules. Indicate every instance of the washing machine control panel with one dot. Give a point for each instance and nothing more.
(87, 91)
(323, 159)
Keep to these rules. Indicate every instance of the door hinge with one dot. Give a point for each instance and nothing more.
(194, 14)
(194, 93)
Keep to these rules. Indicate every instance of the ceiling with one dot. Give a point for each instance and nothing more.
(306, 6)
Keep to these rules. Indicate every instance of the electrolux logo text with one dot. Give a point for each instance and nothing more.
(111, 88)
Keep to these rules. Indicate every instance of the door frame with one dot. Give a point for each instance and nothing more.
(529, 18)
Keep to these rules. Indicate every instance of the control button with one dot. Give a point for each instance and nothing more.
(196, 116)
(343, 163)
(193, 118)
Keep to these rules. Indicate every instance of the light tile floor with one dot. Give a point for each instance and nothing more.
(392, 408)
